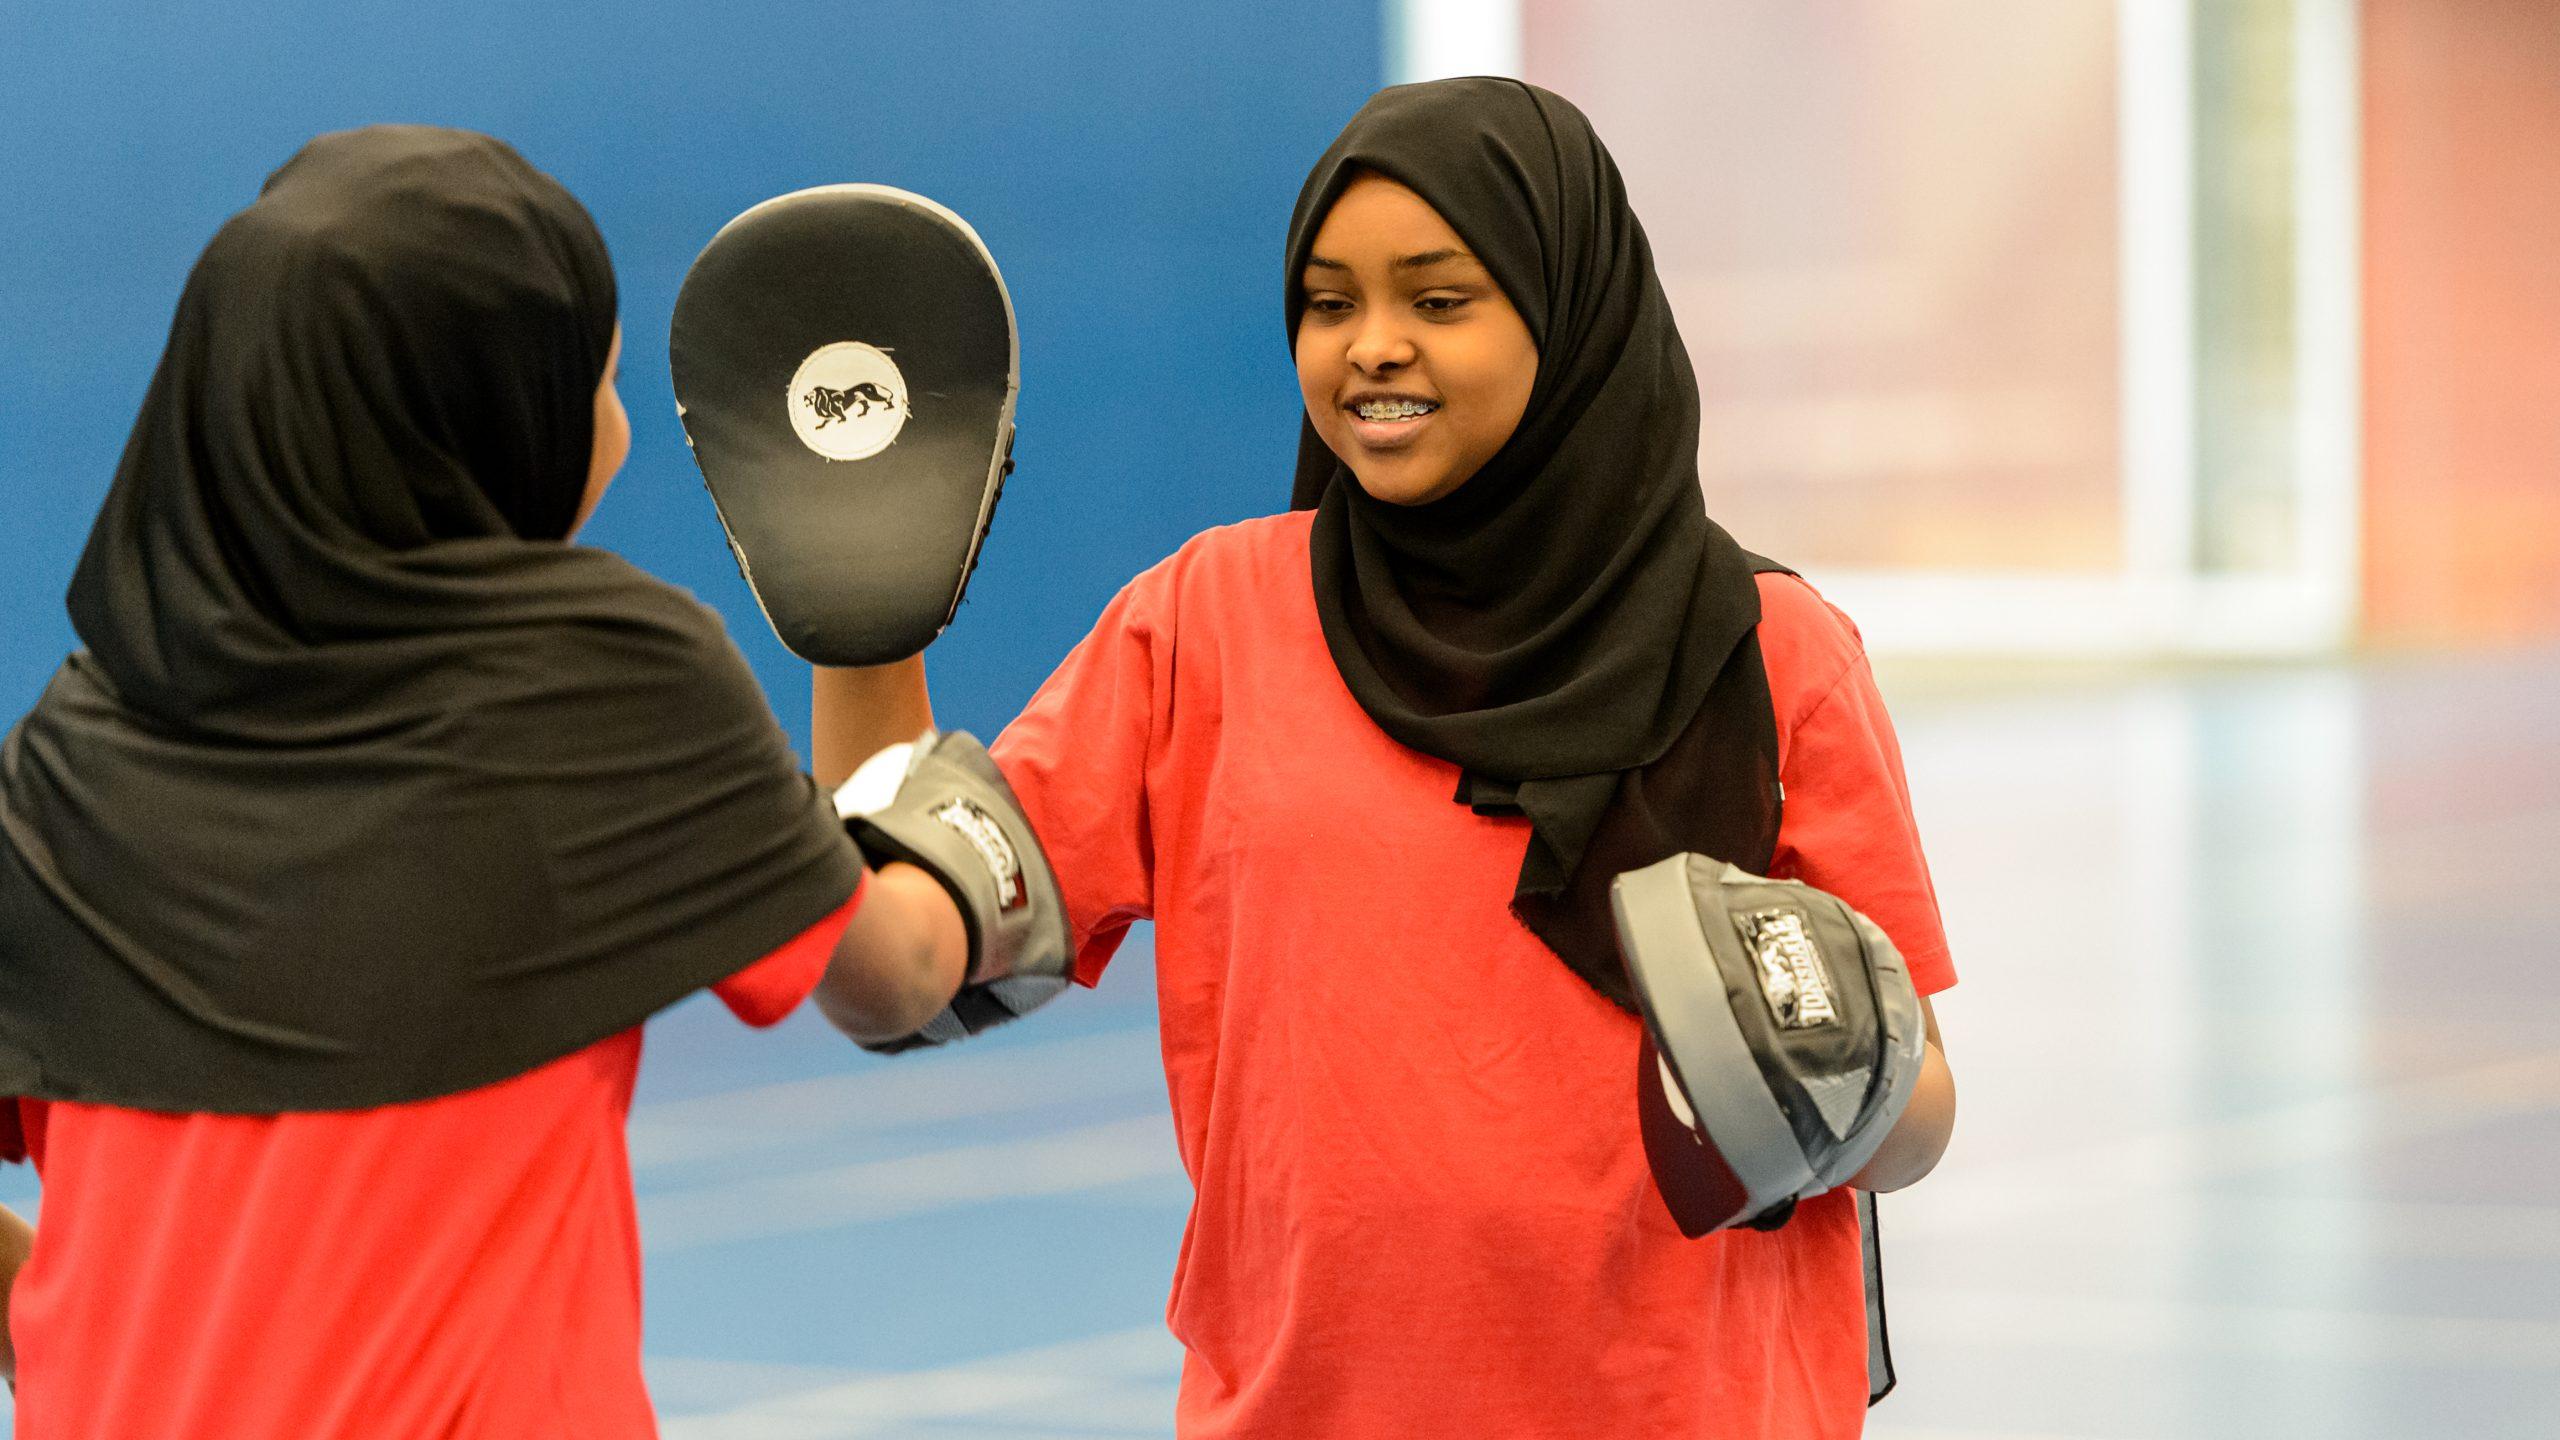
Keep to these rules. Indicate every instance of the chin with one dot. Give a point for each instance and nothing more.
(1403, 487)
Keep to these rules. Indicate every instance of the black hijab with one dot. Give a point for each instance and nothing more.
(365, 787)
(1568, 625)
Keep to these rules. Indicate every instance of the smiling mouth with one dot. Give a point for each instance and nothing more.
(1388, 410)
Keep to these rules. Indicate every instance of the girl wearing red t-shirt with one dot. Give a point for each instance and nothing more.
(1369, 766)
(340, 867)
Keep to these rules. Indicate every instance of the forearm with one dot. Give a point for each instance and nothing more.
(1912, 1148)
(17, 1238)
(900, 960)
(906, 949)
(856, 713)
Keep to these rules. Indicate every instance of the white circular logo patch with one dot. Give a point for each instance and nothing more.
(848, 401)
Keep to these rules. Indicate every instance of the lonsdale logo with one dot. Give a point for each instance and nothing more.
(1793, 978)
(848, 401)
(987, 838)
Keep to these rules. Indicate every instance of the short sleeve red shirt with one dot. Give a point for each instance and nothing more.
(464, 1267)
(1422, 1201)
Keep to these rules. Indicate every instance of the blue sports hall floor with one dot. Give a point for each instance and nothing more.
(2259, 1050)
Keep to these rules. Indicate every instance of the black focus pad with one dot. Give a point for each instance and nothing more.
(845, 365)
(1694, 1179)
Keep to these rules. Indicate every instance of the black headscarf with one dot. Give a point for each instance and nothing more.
(1568, 625)
(366, 787)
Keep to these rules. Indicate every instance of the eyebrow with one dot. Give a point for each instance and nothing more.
(1432, 257)
(1422, 261)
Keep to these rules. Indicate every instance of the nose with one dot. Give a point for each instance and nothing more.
(1381, 344)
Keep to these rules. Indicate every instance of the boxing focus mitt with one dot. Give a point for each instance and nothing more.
(845, 367)
(1783, 1038)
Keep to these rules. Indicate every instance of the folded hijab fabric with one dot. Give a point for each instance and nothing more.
(1567, 626)
(365, 787)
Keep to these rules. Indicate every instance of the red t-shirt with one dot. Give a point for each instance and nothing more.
(1422, 1200)
(466, 1268)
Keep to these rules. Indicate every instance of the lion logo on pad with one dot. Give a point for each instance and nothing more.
(847, 401)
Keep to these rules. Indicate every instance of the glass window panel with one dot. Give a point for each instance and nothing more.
(2245, 362)
(1889, 228)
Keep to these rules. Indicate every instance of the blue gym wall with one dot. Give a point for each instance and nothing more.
(1130, 163)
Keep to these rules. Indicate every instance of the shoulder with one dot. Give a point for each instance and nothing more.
(617, 614)
(1247, 547)
(1806, 643)
(625, 659)
(1249, 562)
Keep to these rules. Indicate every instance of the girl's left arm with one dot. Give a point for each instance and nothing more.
(1911, 1150)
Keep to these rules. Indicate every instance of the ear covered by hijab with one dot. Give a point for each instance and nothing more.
(1567, 626)
(364, 787)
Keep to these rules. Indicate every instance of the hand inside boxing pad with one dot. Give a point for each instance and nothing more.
(1783, 1038)
(845, 366)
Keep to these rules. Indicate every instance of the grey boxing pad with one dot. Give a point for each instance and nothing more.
(845, 365)
(939, 803)
(1783, 1038)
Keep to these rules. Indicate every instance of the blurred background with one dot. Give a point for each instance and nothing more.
(2169, 388)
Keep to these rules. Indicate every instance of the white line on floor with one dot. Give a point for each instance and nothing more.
(1962, 1319)
(1966, 1196)
(2194, 1224)
(978, 1389)
(1086, 1158)
(920, 1090)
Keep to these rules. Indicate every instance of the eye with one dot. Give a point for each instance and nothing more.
(1442, 304)
(1327, 305)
